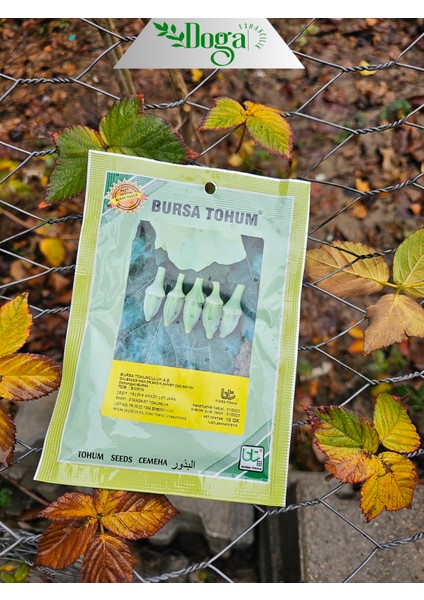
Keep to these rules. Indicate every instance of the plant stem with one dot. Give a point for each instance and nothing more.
(123, 76)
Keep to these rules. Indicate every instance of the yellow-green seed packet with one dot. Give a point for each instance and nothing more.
(180, 358)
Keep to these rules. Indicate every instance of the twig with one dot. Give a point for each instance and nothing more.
(24, 490)
(123, 76)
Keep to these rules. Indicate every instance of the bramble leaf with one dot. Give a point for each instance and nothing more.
(394, 318)
(107, 560)
(269, 129)
(408, 265)
(28, 376)
(72, 505)
(347, 439)
(7, 438)
(152, 137)
(15, 324)
(79, 523)
(359, 277)
(391, 487)
(225, 114)
(395, 429)
(69, 174)
(115, 127)
(106, 501)
(53, 250)
(265, 124)
(124, 130)
(139, 515)
(64, 542)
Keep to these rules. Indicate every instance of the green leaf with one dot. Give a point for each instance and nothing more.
(225, 114)
(124, 130)
(269, 129)
(69, 174)
(348, 441)
(394, 427)
(408, 265)
(21, 573)
(116, 127)
(151, 137)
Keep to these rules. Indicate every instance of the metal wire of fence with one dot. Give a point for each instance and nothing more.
(21, 545)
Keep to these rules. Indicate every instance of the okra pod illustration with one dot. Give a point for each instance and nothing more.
(154, 295)
(174, 302)
(193, 305)
(231, 312)
(212, 311)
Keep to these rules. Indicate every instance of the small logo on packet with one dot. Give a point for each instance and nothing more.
(251, 458)
(126, 196)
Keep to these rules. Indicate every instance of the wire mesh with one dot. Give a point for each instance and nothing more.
(20, 544)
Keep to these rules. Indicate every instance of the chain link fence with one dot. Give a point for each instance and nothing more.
(22, 222)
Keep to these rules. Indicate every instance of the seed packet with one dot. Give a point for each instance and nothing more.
(180, 357)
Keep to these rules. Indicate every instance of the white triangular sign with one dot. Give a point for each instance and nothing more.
(208, 44)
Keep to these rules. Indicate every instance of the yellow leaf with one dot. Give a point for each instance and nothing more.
(53, 251)
(348, 441)
(359, 211)
(27, 376)
(380, 388)
(364, 63)
(391, 487)
(362, 185)
(356, 347)
(15, 324)
(107, 501)
(363, 277)
(265, 124)
(235, 161)
(394, 427)
(269, 128)
(72, 505)
(196, 75)
(139, 515)
(393, 319)
(408, 265)
(356, 333)
(7, 438)
(225, 114)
